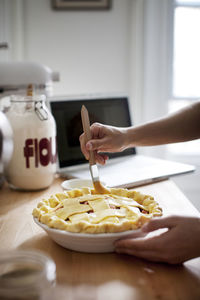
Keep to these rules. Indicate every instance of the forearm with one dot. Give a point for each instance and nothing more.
(178, 127)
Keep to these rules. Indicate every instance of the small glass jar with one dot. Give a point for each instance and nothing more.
(26, 275)
(33, 163)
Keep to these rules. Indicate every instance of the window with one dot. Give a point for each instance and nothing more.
(186, 50)
(185, 72)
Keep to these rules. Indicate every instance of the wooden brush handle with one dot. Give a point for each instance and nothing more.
(86, 129)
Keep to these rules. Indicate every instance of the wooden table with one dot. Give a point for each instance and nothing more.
(101, 276)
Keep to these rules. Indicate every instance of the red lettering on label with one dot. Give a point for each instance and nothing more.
(40, 151)
(44, 158)
(28, 151)
(36, 153)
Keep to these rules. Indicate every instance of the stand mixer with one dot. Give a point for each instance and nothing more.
(16, 76)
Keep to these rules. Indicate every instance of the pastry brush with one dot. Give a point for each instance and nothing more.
(92, 163)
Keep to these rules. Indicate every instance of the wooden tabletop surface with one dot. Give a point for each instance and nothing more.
(101, 276)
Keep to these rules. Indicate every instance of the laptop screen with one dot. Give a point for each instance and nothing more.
(67, 113)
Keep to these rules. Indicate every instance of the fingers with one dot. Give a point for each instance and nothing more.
(86, 146)
(101, 158)
(83, 146)
(138, 244)
(157, 223)
(165, 247)
(148, 255)
(104, 139)
(140, 248)
(153, 249)
(95, 144)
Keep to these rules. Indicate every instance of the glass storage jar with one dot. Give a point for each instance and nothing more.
(33, 163)
(26, 275)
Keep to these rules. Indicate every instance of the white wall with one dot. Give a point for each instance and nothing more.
(117, 50)
(90, 49)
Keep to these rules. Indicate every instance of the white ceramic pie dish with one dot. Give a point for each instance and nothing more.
(76, 183)
(86, 242)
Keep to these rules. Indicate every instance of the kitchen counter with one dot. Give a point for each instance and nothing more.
(101, 276)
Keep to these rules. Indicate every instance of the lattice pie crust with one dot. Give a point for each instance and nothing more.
(82, 210)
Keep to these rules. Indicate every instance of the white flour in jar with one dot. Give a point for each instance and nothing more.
(33, 163)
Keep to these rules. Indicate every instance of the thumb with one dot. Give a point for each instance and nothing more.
(158, 223)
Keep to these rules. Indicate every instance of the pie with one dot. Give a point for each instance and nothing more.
(85, 211)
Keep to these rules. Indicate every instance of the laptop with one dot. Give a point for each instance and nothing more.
(124, 169)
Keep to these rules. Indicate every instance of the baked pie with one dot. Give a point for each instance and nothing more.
(85, 211)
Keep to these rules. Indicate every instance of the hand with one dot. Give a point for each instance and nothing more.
(104, 139)
(180, 243)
